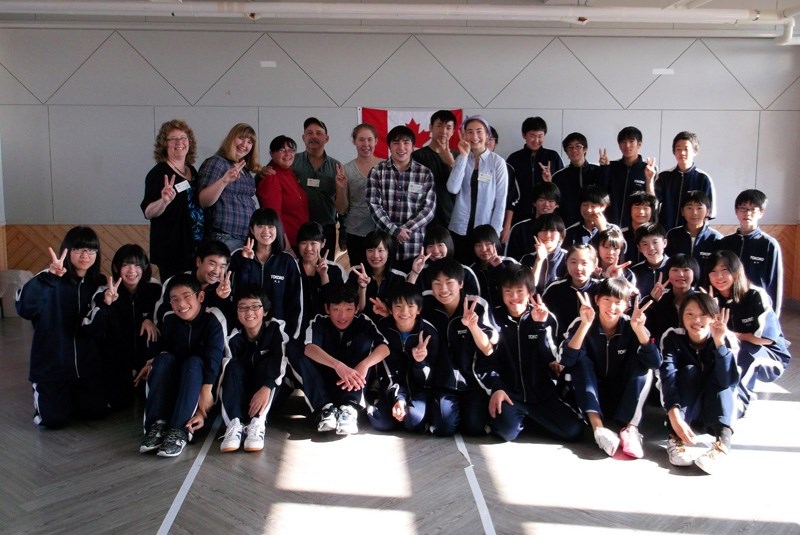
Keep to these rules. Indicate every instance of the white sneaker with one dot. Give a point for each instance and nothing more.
(631, 441)
(607, 440)
(254, 441)
(710, 461)
(347, 422)
(678, 455)
(233, 437)
(327, 418)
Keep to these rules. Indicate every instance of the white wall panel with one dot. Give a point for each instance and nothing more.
(624, 66)
(728, 150)
(174, 55)
(247, 83)
(700, 82)
(778, 164)
(555, 79)
(764, 69)
(43, 59)
(484, 64)
(348, 61)
(13, 92)
(116, 75)
(508, 123)
(412, 78)
(210, 125)
(101, 156)
(27, 186)
(789, 99)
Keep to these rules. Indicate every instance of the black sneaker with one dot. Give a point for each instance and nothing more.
(154, 437)
(173, 443)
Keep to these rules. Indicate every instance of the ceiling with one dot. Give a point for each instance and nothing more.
(736, 18)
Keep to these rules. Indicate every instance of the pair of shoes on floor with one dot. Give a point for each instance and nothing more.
(168, 442)
(715, 457)
(253, 433)
(343, 420)
(629, 438)
(677, 452)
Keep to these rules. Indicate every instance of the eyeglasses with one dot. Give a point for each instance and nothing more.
(85, 251)
(575, 146)
(748, 210)
(251, 308)
(177, 299)
(286, 150)
(182, 139)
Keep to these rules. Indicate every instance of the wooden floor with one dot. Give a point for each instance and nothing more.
(90, 478)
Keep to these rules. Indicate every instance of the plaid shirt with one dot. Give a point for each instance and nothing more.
(231, 213)
(404, 199)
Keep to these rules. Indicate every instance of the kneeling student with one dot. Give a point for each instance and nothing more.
(609, 356)
(699, 377)
(405, 378)
(255, 371)
(341, 348)
(181, 377)
(520, 372)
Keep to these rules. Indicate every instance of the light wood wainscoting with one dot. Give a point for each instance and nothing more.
(25, 246)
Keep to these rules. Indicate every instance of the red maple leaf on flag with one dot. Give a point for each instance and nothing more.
(422, 135)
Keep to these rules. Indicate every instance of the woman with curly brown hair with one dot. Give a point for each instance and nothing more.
(170, 200)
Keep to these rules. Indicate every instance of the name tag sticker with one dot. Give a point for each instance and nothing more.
(312, 182)
(484, 177)
(182, 186)
(415, 188)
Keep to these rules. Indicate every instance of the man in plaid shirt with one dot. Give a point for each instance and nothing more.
(401, 196)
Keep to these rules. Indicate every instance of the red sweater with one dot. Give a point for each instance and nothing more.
(283, 193)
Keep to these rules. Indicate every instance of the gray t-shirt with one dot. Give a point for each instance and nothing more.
(359, 219)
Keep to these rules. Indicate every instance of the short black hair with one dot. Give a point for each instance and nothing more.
(546, 190)
(647, 230)
(399, 133)
(280, 142)
(536, 124)
(313, 120)
(691, 137)
(642, 197)
(213, 248)
(494, 135)
(595, 194)
(81, 237)
(131, 253)
(182, 280)
(268, 216)
(449, 267)
(575, 136)
(253, 291)
(616, 287)
(446, 116)
(629, 132)
(375, 238)
(681, 261)
(612, 236)
(751, 196)
(439, 234)
(310, 231)
(336, 293)
(697, 196)
(483, 233)
(549, 222)
(407, 293)
(517, 275)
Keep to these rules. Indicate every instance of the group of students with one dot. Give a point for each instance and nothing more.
(556, 331)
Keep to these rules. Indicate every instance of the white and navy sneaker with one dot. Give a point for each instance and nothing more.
(255, 435)
(327, 418)
(347, 422)
(233, 437)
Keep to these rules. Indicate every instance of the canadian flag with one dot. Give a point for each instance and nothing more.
(417, 121)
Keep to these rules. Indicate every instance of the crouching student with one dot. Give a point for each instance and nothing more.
(609, 356)
(254, 373)
(698, 381)
(65, 372)
(488, 266)
(763, 351)
(341, 347)
(181, 377)
(467, 332)
(403, 380)
(520, 372)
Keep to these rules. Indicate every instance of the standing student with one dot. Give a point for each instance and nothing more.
(642, 211)
(672, 186)
(440, 159)
(122, 321)
(627, 175)
(65, 371)
(182, 375)
(594, 201)
(467, 333)
(520, 371)
(760, 253)
(404, 380)
(698, 378)
(227, 187)
(532, 164)
(694, 237)
(254, 372)
(479, 180)
(610, 357)
(520, 241)
(263, 261)
(577, 175)
(488, 266)
(763, 351)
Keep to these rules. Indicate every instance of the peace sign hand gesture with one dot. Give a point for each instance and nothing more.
(57, 263)
(539, 312)
(363, 278)
(470, 317)
(247, 250)
(650, 169)
(341, 178)
(720, 326)
(547, 175)
(111, 294)
(379, 307)
(168, 192)
(603, 157)
(224, 288)
(638, 320)
(232, 174)
(321, 267)
(586, 311)
(658, 290)
(463, 147)
(616, 270)
(419, 261)
(420, 351)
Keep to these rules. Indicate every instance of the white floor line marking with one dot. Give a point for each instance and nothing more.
(477, 494)
(187, 483)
